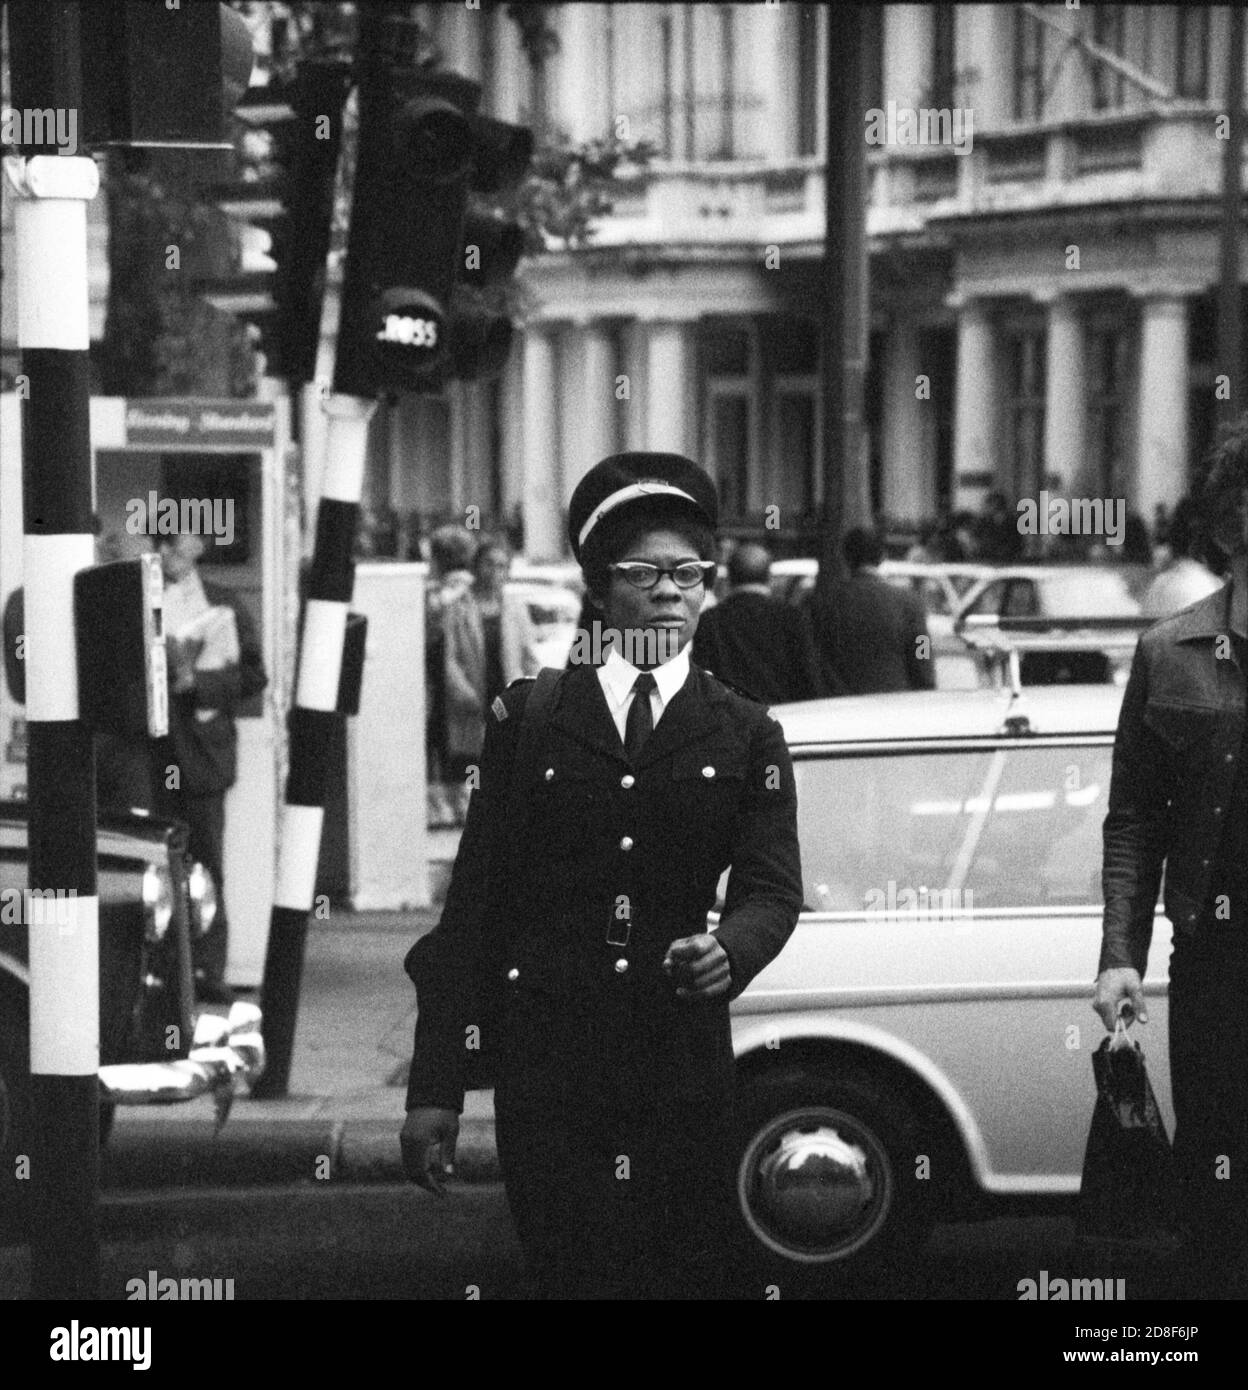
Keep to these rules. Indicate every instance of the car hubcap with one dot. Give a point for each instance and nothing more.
(815, 1184)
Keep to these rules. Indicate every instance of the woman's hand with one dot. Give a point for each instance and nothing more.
(699, 967)
(1113, 987)
(427, 1140)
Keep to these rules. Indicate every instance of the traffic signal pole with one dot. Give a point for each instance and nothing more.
(53, 334)
(314, 720)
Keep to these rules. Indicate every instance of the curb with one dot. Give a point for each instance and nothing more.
(274, 1152)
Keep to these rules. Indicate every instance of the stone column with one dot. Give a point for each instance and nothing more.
(590, 380)
(541, 504)
(1065, 398)
(909, 480)
(975, 418)
(1161, 450)
(668, 365)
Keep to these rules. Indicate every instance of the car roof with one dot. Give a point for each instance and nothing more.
(1041, 571)
(933, 714)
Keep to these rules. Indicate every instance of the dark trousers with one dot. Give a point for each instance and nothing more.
(621, 1210)
(205, 816)
(1209, 1080)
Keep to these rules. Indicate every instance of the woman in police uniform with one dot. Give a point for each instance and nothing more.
(574, 944)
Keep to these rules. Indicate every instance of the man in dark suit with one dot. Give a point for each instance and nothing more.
(210, 675)
(758, 642)
(872, 637)
(574, 939)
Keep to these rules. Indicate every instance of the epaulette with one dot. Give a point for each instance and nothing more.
(498, 706)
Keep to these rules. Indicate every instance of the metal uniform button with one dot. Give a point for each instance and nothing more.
(1230, 757)
(550, 774)
(513, 973)
(627, 780)
(621, 966)
(626, 843)
(1217, 810)
(708, 772)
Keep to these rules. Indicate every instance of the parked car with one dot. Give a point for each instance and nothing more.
(941, 586)
(553, 610)
(153, 1047)
(1064, 592)
(922, 1046)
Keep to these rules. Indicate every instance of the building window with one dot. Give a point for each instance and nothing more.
(1192, 53)
(941, 93)
(1109, 32)
(1024, 409)
(729, 355)
(1107, 406)
(1028, 67)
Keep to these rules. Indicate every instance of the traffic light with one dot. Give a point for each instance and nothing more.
(285, 197)
(415, 308)
(161, 75)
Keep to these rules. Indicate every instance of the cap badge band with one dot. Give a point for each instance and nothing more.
(629, 494)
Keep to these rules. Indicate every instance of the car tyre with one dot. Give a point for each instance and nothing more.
(865, 1214)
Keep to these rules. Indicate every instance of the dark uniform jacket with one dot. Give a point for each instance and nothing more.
(555, 949)
(868, 637)
(206, 750)
(1176, 754)
(762, 644)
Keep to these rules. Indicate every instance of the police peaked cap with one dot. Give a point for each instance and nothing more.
(629, 478)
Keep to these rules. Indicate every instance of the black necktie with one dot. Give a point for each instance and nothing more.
(640, 722)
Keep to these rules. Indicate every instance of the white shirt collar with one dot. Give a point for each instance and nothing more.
(617, 677)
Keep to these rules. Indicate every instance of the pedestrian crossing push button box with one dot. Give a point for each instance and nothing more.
(123, 685)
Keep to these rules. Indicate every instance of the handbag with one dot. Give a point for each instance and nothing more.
(1129, 1195)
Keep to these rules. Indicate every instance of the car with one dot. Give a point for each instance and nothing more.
(920, 1051)
(1067, 593)
(941, 586)
(554, 610)
(154, 1049)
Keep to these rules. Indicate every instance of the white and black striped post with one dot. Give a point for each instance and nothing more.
(314, 720)
(53, 334)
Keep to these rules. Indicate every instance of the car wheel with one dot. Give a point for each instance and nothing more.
(15, 1121)
(826, 1180)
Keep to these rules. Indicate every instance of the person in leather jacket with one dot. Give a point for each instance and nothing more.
(1178, 802)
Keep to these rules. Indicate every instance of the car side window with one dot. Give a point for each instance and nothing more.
(989, 600)
(871, 825)
(1041, 843)
(1021, 599)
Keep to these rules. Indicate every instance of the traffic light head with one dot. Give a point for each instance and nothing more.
(418, 263)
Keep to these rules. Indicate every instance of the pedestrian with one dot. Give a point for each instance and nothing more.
(872, 637)
(755, 641)
(215, 663)
(575, 927)
(1178, 802)
(450, 553)
(1183, 579)
(489, 643)
(999, 541)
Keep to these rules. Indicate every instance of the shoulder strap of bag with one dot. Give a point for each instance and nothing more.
(528, 741)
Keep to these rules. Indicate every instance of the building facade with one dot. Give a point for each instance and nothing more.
(1043, 262)
(1042, 299)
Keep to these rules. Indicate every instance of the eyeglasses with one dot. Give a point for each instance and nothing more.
(642, 575)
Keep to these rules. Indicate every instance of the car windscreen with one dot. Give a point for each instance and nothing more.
(986, 828)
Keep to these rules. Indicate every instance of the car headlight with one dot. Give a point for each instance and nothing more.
(157, 901)
(202, 892)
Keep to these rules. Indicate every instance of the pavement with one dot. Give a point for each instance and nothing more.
(341, 1119)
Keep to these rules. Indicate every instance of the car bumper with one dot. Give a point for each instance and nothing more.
(226, 1055)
